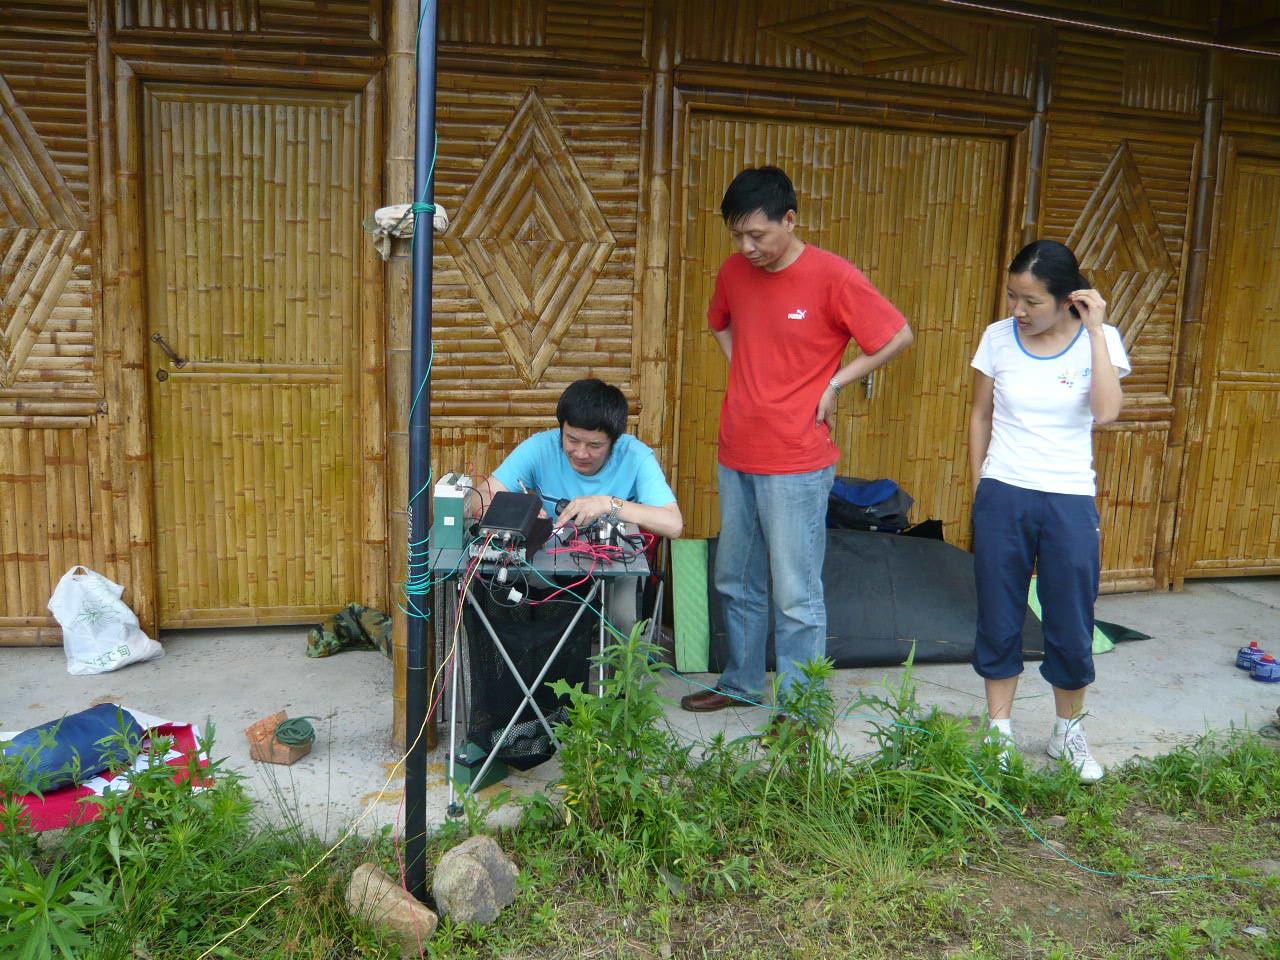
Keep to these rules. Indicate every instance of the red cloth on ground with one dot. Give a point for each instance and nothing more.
(67, 807)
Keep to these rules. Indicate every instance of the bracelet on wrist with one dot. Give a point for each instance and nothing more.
(835, 385)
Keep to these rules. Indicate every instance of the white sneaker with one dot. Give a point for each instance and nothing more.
(1005, 742)
(1075, 748)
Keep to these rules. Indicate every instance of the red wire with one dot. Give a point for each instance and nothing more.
(534, 603)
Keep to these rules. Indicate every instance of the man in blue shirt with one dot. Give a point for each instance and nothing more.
(592, 462)
(602, 471)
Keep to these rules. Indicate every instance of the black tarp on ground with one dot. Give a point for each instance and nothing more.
(883, 591)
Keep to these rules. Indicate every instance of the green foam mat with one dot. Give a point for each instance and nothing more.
(689, 592)
(1101, 642)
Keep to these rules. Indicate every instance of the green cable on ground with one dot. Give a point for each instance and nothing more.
(296, 732)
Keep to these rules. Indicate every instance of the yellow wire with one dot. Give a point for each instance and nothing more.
(391, 776)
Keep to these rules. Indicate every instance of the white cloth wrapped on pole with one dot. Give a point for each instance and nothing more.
(397, 220)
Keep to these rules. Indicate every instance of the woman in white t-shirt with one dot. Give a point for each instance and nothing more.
(1044, 376)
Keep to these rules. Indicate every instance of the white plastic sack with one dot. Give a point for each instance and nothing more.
(99, 631)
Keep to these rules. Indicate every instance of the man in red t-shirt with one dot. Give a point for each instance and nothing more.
(783, 312)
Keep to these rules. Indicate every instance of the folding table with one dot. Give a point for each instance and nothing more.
(554, 565)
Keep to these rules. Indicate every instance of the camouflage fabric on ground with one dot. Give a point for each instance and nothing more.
(353, 628)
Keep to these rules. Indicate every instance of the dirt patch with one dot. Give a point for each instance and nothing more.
(1045, 896)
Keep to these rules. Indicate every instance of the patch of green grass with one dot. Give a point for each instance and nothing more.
(767, 846)
(167, 871)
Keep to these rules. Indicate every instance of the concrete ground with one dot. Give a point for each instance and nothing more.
(1149, 696)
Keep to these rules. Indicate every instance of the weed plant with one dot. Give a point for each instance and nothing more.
(777, 843)
(879, 847)
(637, 803)
(169, 867)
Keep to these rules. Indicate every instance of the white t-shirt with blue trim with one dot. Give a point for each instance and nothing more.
(1042, 424)
(630, 473)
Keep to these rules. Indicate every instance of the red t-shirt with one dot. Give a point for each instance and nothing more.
(790, 330)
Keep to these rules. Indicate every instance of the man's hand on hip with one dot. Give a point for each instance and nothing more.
(827, 407)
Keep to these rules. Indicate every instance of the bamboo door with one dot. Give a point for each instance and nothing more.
(922, 215)
(1231, 496)
(252, 233)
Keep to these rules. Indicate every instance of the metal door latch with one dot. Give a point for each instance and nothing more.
(868, 383)
(168, 351)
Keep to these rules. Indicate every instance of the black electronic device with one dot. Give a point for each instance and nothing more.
(510, 515)
(512, 524)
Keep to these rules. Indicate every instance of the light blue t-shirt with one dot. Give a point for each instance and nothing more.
(630, 473)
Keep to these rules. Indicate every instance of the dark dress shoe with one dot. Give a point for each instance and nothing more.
(777, 723)
(708, 701)
(782, 729)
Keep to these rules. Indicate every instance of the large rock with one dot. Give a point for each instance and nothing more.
(379, 900)
(474, 881)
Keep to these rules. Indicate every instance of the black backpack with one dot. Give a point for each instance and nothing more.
(879, 505)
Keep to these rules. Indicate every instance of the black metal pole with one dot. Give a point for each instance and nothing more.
(415, 774)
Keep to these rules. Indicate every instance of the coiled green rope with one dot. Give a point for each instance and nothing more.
(296, 731)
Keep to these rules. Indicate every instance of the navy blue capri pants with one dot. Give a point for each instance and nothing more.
(1016, 531)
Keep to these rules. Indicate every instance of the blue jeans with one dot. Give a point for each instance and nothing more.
(772, 526)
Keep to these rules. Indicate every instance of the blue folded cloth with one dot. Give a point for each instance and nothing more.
(75, 748)
(864, 494)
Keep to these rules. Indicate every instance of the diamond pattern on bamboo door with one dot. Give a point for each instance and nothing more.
(1121, 251)
(35, 266)
(530, 239)
(41, 236)
(866, 41)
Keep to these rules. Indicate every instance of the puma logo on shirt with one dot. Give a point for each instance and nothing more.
(797, 314)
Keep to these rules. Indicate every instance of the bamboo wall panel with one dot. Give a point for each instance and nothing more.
(46, 521)
(575, 132)
(1234, 499)
(46, 80)
(253, 267)
(1257, 21)
(1119, 190)
(586, 27)
(1192, 15)
(1117, 73)
(923, 215)
(494, 23)
(50, 450)
(202, 15)
(1121, 199)
(317, 16)
(47, 331)
(888, 41)
(1253, 87)
(1235, 513)
(71, 15)
(1129, 463)
(583, 30)
(398, 184)
(348, 19)
(535, 279)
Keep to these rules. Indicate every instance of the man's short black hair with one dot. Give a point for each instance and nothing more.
(758, 188)
(593, 405)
